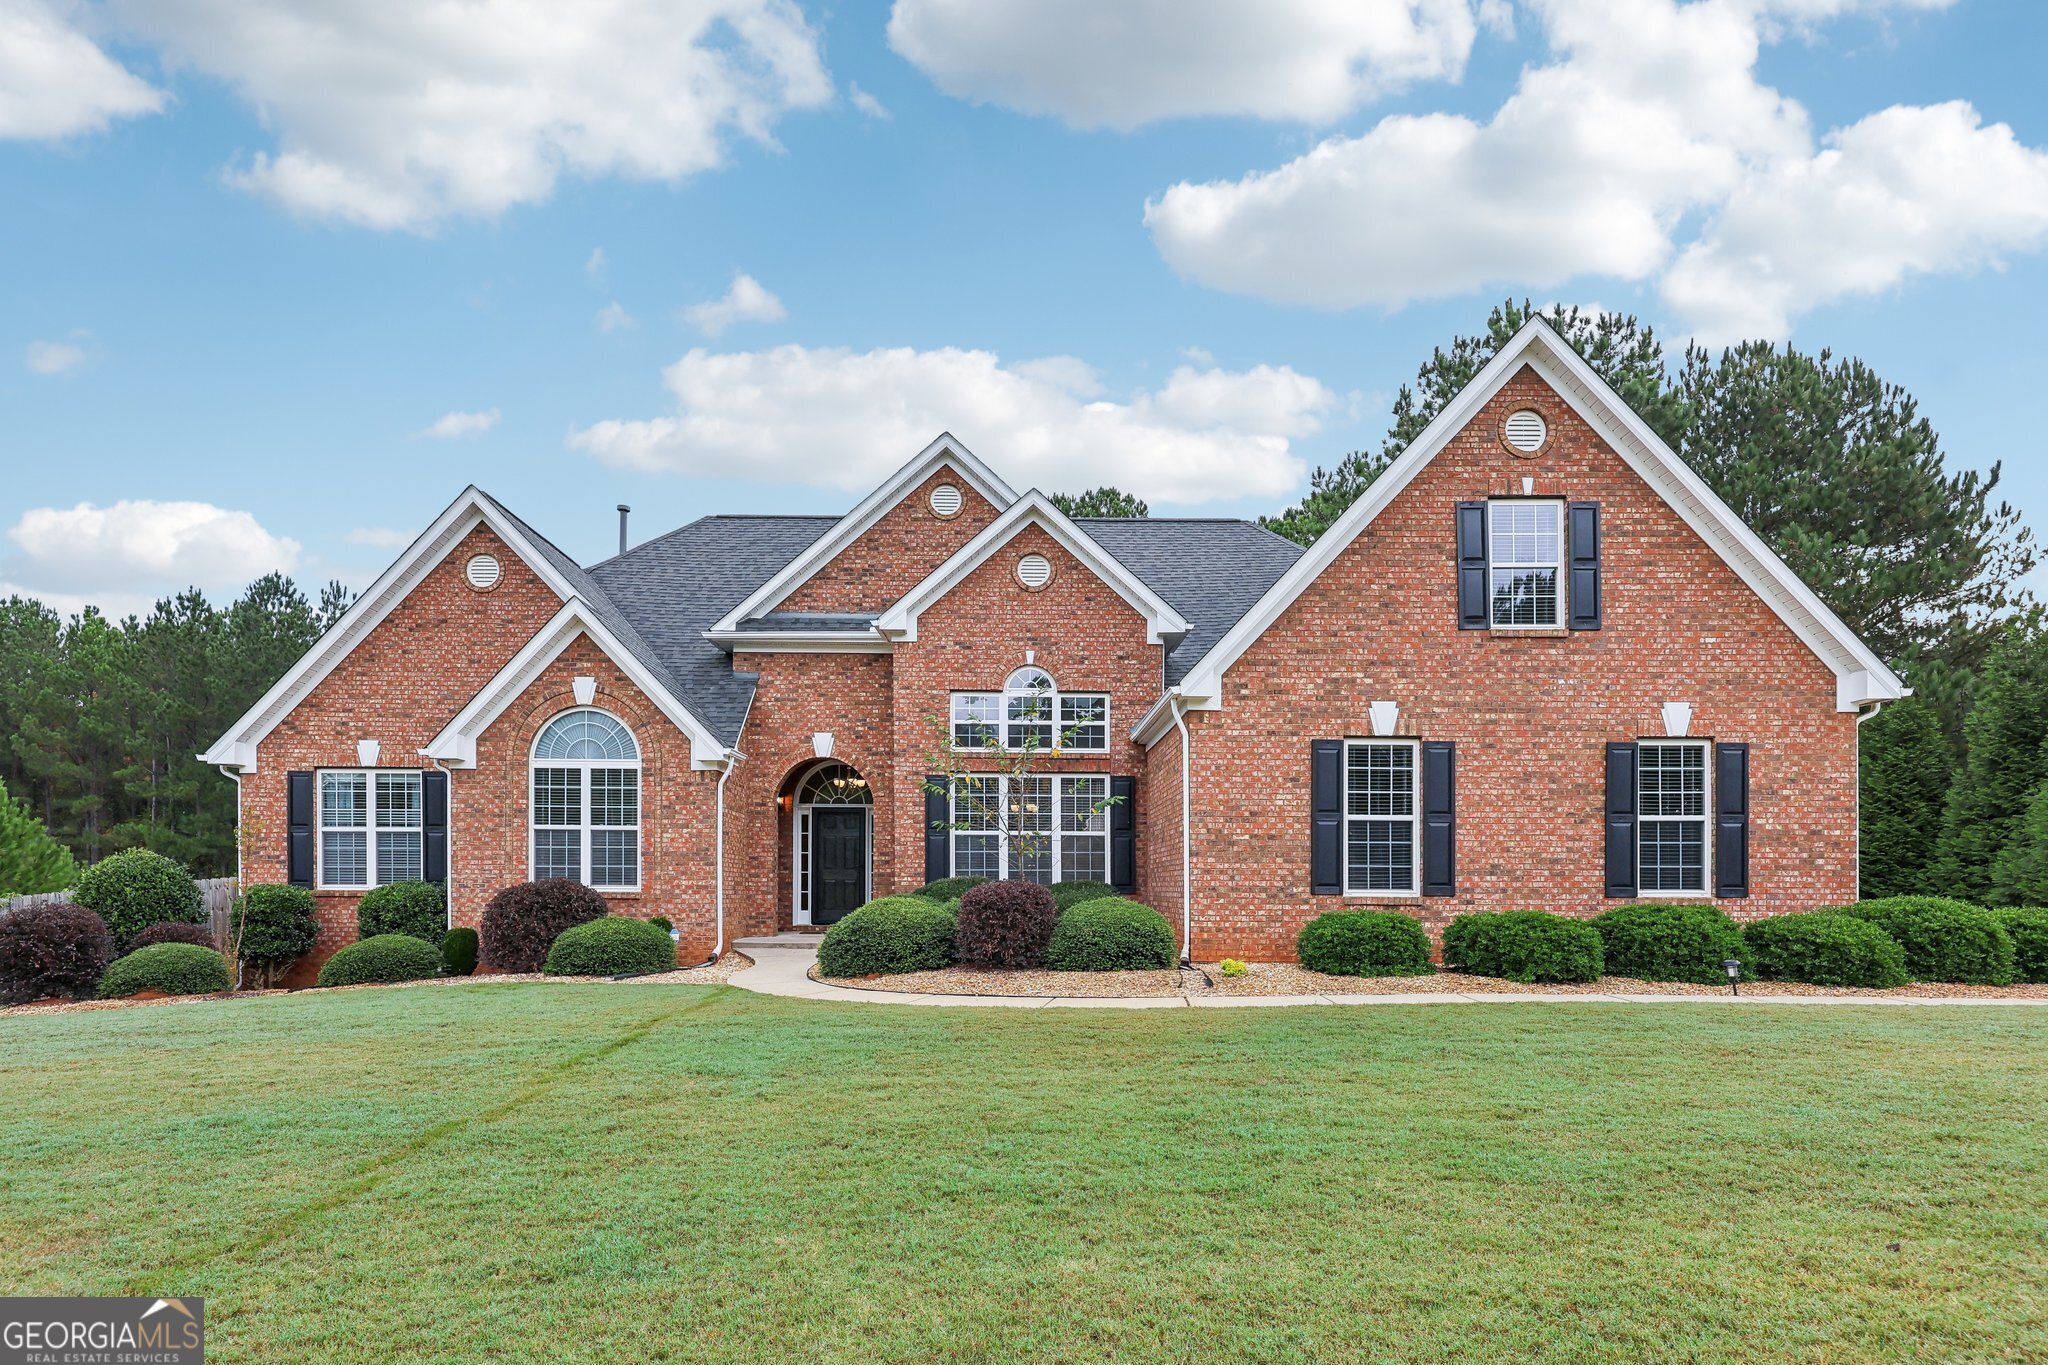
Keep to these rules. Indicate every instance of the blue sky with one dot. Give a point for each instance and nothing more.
(247, 268)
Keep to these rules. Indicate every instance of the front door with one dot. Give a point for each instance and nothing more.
(839, 861)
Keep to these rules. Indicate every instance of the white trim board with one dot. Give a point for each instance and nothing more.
(1162, 622)
(946, 450)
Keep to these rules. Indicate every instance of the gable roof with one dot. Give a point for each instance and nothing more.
(946, 450)
(1860, 676)
(1211, 570)
(1163, 624)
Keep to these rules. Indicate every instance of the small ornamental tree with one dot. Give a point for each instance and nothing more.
(272, 926)
(31, 860)
(136, 889)
(1907, 764)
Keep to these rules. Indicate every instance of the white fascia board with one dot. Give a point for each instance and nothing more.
(797, 642)
(471, 508)
(946, 450)
(1162, 622)
(1643, 451)
(456, 744)
(1157, 723)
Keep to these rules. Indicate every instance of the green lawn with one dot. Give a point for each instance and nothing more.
(649, 1173)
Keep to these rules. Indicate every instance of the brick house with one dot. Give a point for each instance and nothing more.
(1540, 664)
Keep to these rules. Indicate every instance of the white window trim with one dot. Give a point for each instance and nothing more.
(583, 768)
(322, 829)
(1705, 890)
(1003, 726)
(1556, 566)
(1414, 748)
(1056, 836)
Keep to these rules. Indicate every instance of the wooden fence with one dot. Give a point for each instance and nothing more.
(216, 894)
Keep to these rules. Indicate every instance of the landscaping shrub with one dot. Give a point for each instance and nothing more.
(416, 908)
(1004, 924)
(387, 957)
(50, 950)
(276, 927)
(1230, 966)
(1524, 945)
(1823, 949)
(458, 952)
(887, 936)
(1945, 940)
(136, 889)
(521, 922)
(1668, 942)
(663, 923)
(1110, 934)
(948, 888)
(613, 946)
(173, 968)
(1364, 943)
(2028, 928)
(198, 935)
(1066, 895)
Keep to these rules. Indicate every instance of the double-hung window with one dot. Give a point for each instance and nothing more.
(1034, 829)
(1671, 811)
(586, 802)
(371, 827)
(1525, 547)
(1031, 713)
(1380, 813)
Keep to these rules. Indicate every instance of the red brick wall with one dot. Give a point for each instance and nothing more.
(1530, 716)
(895, 554)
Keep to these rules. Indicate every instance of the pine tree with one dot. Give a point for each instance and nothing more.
(1101, 502)
(1907, 766)
(2003, 768)
(30, 860)
(2019, 874)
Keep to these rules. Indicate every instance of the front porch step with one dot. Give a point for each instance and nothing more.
(785, 939)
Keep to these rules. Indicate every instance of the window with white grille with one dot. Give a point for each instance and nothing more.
(1380, 815)
(586, 802)
(1031, 713)
(1031, 828)
(1671, 810)
(371, 827)
(1525, 544)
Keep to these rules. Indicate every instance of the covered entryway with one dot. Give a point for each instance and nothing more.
(833, 829)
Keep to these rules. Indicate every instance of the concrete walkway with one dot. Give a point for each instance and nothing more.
(782, 966)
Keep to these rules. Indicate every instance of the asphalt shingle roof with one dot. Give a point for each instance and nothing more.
(1210, 571)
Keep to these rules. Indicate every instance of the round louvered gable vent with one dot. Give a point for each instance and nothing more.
(483, 572)
(1034, 571)
(1525, 431)
(946, 500)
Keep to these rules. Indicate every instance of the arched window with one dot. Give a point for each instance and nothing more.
(1031, 713)
(586, 801)
(835, 784)
(1028, 700)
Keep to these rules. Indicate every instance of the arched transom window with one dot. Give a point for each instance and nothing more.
(586, 801)
(1031, 713)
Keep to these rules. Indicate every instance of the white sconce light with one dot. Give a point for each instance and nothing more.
(367, 751)
(821, 744)
(1386, 715)
(585, 690)
(1677, 718)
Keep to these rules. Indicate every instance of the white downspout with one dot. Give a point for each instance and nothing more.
(448, 842)
(1187, 873)
(733, 758)
(235, 774)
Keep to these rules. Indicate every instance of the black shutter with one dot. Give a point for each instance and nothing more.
(1621, 819)
(1439, 818)
(1123, 834)
(1731, 820)
(1472, 611)
(434, 827)
(1326, 817)
(1583, 590)
(938, 836)
(298, 808)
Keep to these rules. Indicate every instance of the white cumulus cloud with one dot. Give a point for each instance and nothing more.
(746, 301)
(402, 115)
(1098, 65)
(135, 549)
(454, 426)
(865, 102)
(55, 81)
(613, 317)
(846, 419)
(379, 537)
(53, 357)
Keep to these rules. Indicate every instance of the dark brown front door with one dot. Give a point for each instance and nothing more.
(839, 862)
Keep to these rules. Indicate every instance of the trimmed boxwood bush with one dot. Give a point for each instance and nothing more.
(1110, 934)
(2027, 927)
(887, 936)
(612, 946)
(276, 925)
(1823, 949)
(198, 935)
(1066, 895)
(1364, 943)
(661, 922)
(1524, 945)
(136, 889)
(48, 950)
(1945, 940)
(416, 908)
(521, 922)
(948, 888)
(458, 952)
(387, 957)
(1004, 924)
(173, 968)
(1668, 942)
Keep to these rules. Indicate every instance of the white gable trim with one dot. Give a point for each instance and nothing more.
(1162, 622)
(471, 509)
(1861, 677)
(946, 450)
(456, 744)
(797, 642)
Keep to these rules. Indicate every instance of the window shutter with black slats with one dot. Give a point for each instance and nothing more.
(434, 828)
(1472, 608)
(1583, 541)
(1731, 820)
(299, 814)
(1326, 817)
(1621, 819)
(1123, 834)
(1439, 818)
(938, 838)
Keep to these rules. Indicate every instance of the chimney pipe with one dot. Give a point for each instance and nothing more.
(623, 510)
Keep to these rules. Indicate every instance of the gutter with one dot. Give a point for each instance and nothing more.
(234, 774)
(733, 759)
(1187, 875)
